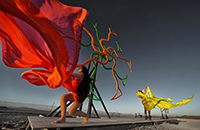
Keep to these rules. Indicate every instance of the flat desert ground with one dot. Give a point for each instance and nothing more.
(15, 119)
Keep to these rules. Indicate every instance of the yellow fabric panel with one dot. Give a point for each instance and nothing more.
(150, 101)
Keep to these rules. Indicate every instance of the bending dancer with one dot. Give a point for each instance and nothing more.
(79, 86)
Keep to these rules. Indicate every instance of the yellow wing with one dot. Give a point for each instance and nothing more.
(166, 105)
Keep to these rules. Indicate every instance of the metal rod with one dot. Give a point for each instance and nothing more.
(101, 101)
(53, 111)
(89, 104)
(90, 100)
(55, 114)
(95, 110)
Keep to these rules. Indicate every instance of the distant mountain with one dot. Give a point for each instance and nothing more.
(188, 117)
(3, 107)
(24, 108)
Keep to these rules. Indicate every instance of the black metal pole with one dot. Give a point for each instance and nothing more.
(89, 104)
(53, 111)
(90, 100)
(95, 110)
(101, 101)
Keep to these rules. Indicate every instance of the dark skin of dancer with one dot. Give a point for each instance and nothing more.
(73, 109)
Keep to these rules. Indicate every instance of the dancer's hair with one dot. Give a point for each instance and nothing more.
(84, 88)
(140, 91)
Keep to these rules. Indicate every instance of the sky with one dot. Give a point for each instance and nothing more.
(160, 37)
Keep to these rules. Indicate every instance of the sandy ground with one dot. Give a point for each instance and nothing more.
(180, 124)
(16, 120)
(12, 119)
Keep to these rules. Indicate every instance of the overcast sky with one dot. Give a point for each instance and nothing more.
(160, 37)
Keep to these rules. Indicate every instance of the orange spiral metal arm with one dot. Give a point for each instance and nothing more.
(92, 41)
(117, 83)
(103, 39)
(93, 59)
(128, 61)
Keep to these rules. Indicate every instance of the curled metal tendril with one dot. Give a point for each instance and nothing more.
(104, 55)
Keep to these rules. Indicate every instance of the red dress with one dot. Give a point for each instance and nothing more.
(72, 84)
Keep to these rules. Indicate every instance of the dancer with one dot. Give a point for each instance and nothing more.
(150, 101)
(79, 86)
(144, 102)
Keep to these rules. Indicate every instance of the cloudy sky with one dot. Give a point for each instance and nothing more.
(160, 37)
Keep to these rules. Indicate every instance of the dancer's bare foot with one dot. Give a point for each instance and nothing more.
(59, 121)
(85, 120)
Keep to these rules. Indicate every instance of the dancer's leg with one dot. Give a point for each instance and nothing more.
(149, 113)
(63, 106)
(73, 111)
(145, 112)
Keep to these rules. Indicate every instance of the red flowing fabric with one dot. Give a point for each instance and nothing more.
(43, 34)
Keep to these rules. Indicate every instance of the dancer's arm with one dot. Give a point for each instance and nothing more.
(145, 90)
(80, 76)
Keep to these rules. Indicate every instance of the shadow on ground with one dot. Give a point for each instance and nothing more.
(175, 122)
